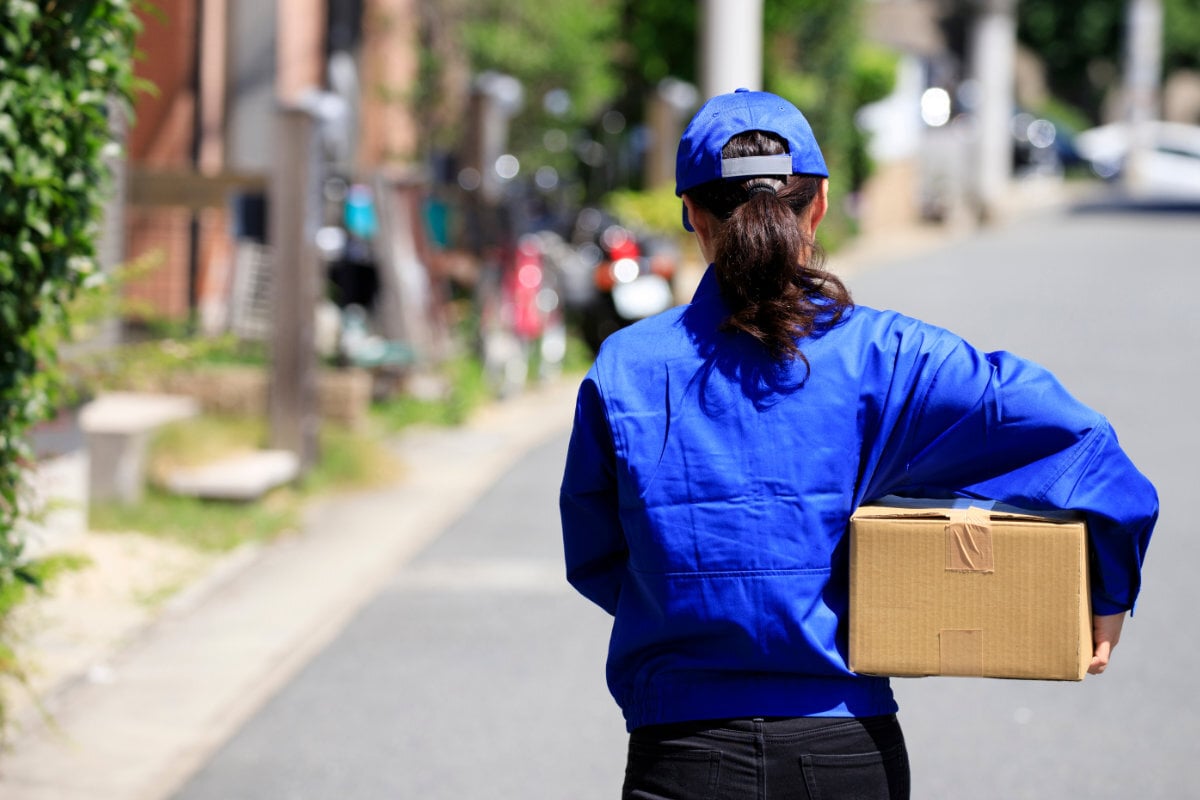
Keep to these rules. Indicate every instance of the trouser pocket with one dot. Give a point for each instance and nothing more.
(876, 775)
(663, 772)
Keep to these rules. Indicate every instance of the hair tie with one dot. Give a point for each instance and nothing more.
(761, 188)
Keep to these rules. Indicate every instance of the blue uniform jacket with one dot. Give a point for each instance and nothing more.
(707, 494)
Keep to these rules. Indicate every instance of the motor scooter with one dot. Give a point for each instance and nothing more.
(633, 277)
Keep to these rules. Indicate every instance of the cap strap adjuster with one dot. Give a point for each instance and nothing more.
(749, 166)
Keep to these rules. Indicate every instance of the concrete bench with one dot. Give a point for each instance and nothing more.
(117, 428)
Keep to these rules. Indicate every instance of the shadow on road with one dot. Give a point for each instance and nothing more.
(1122, 203)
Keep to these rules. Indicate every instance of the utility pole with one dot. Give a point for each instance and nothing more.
(495, 98)
(667, 111)
(1143, 74)
(993, 48)
(295, 217)
(731, 43)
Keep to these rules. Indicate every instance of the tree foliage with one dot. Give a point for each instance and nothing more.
(658, 41)
(1082, 44)
(560, 46)
(62, 65)
(612, 54)
(1181, 35)
(815, 57)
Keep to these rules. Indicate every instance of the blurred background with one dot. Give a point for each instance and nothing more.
(330, 221)
(470, 159)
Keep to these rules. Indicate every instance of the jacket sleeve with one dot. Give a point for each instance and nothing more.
(593, 540)
(995, 426)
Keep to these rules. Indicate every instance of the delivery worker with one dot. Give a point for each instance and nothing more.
(720, 448)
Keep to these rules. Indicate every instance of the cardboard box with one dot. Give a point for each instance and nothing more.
(956, 587)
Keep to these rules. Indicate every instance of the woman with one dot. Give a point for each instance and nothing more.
(720, 448)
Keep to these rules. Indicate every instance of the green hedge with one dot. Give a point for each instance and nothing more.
(64, 64)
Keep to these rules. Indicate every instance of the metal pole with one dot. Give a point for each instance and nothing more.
(731, 41)
(1143, 73)
(294, 218)
(993, 67)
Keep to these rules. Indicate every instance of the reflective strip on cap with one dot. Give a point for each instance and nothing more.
(756, 165)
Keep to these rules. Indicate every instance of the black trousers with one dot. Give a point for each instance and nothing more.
(802, 758)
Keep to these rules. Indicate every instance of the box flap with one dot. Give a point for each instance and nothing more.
(892, 507)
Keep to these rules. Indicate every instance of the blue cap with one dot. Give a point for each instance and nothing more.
(699, 158)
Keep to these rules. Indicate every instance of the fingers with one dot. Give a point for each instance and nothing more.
(1106, 632)
(1100, 658)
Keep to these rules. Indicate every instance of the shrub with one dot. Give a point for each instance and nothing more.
(65, 65)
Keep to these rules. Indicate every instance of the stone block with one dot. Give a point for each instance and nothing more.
(117, 428)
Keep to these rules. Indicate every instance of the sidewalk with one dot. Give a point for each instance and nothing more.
(142, 717)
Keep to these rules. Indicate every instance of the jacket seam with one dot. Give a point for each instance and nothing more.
(619, 448)
(732, 573)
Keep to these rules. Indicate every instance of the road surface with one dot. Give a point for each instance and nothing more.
(476, 673)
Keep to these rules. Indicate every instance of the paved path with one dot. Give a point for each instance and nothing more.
(474, 673)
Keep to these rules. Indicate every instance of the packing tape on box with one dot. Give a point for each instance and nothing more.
(969, 541)
(961, 652)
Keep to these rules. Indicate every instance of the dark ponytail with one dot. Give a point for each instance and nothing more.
(770, 275)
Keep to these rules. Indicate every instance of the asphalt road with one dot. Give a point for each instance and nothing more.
(476, 673)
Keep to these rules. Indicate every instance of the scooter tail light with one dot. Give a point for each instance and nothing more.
(603, 276)
(625, 248)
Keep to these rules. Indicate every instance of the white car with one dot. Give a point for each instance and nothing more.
(1170, 166)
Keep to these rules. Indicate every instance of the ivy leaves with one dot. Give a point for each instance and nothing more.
(62, 62)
